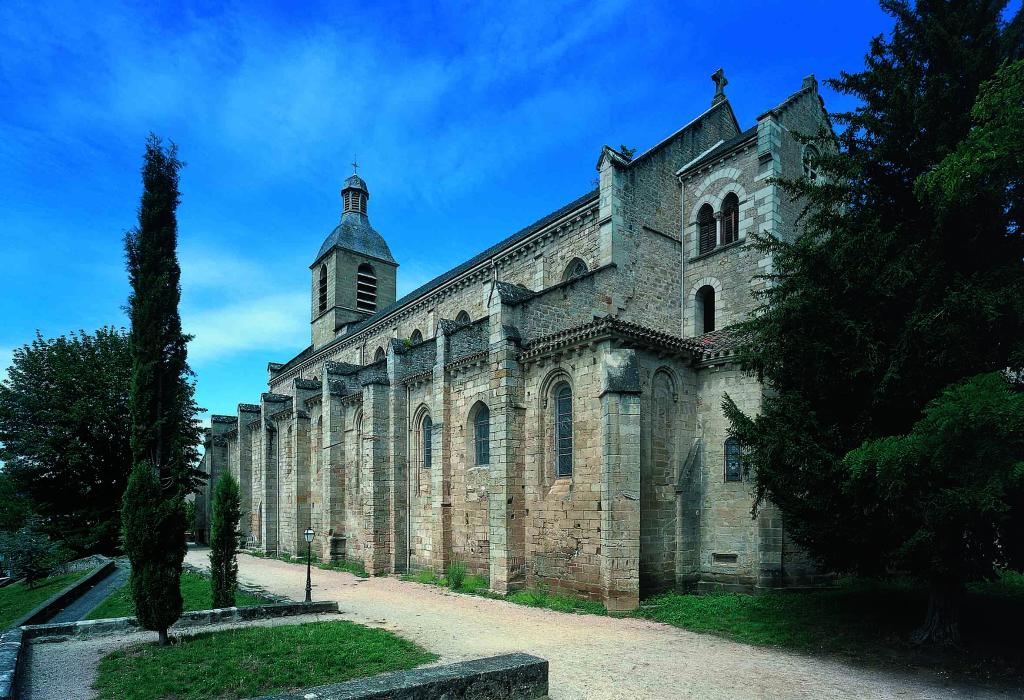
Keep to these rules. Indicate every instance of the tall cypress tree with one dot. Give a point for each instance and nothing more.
(164, 432)
(227, 513)
(905, 279)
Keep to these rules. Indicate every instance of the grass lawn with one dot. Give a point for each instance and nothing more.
(862, 620)
(255, 660)
(195, 593)
(348, 565)
(18, 599)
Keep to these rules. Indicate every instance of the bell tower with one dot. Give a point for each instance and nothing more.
(354, 275)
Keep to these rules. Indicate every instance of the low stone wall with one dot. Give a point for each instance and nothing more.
(508, 677)
(198, 618)
(60, 600)
(10, 652)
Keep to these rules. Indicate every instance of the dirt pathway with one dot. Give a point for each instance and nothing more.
(590, 656)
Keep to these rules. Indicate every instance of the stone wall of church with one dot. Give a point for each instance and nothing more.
(730, 544)
(563, 514)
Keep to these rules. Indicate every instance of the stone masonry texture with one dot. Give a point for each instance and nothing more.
(433, 430)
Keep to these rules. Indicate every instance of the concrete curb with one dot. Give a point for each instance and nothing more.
(198, 618)
(60, 600)
(507, 677)
(10, 653)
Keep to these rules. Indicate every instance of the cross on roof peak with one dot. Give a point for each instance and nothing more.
(355, 165)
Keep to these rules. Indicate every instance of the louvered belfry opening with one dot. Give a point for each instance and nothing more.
(706, 229)
(730, 219)
(366, 289)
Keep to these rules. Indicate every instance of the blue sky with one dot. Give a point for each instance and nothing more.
(470, 120)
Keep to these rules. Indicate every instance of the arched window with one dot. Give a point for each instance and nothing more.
(416, 336)
(810, 159)
(563, 430)
(482, 434)
(733, 463)
(379, 355)
(704, 310)
(463, 318)
(575, 268)
(425, 432)
(322, 289)
(730, 218)
(706, 229)
(366, 289)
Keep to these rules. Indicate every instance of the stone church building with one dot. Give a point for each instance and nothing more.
(549, 411)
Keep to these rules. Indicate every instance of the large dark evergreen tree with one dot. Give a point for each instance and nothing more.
(164, 433)
(905, 279)
(66, 453)
(227, 513)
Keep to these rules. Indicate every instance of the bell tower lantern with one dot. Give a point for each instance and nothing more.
(354, 274)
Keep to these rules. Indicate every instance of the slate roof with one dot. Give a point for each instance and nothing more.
(722, 148)
(356, 234)
(447, 276)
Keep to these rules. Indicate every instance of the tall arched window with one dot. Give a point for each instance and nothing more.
(322, 289)
(733, 463)
(730, 218)
(427, 448)
(379, 355)
(482, 434)
(575, 268)
(704, 310)
(416, 336)
(366, 289)
(563, 430)
(706, 229)
(463, 318)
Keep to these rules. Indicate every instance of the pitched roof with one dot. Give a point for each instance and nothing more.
(721, 149)
(447, 277)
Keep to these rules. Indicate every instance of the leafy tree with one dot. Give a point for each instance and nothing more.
(30, 552)
(951, 490)
(906, 277)
(67, 455)
(227, 512)
(15, 507)
(164, 431)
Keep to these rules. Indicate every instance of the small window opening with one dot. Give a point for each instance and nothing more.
(704, 311)
(575, 268)
(482, 435)
(733, 463)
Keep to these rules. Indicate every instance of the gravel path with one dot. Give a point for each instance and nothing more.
(591, 656)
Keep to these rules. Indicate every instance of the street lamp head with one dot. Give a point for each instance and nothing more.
(309, 535)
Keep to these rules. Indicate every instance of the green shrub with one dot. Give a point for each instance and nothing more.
(227, 513)
(456, 574)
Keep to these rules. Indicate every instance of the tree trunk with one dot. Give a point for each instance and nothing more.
(163, 637)
(942, 623)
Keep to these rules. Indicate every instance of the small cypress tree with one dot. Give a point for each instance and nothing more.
(164, 431)
(227, 511)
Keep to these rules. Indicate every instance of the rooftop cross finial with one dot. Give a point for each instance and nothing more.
(720, 82)
(355, 165)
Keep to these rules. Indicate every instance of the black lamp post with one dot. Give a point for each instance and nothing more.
(309, 558)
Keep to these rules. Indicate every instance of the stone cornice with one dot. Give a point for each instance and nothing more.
(607, 328)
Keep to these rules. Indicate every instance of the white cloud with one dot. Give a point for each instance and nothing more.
(269, 323)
